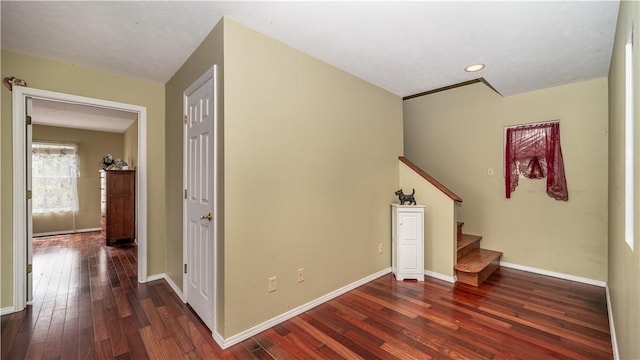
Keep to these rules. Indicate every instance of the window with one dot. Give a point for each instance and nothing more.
(534, 152)
(54, 177)
(629, 143)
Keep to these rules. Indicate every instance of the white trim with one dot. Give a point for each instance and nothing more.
(218, 339)
(154, 277)
(225, 343)
(629, 145)
(8, 310)
(20, 94)
(174, 287)
(19, 205)
(439, 276)
(165, 277)
(612, 328)
(141, 194)
(554, 274)
(65, 232)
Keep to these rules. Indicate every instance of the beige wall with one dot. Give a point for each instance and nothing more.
(304, 184)
(130, 146)
(439, 222)
(76, 80)
(92, 146)
(310, 167)
(206, 55)
(457, 135)
(624, 263)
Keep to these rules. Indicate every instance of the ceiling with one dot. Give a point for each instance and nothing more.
(54, 113)
(403, 47)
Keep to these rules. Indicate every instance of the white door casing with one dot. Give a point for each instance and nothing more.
(22, 242)
(199, 225)
(29, 212)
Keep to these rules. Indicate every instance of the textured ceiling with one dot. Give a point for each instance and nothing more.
(404, 47)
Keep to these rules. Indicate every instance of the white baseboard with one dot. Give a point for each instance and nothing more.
(155, 277)
(218, 339)
(7, 310)
(64, 232)
(554, 274)
(225, 343)
(174, 287)
(612, 328)
(439, 276)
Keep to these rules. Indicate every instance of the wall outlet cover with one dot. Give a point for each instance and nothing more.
(271, 284)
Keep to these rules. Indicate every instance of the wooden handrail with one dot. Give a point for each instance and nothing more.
(430, 179)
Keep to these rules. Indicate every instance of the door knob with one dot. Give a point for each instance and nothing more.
(208, 217)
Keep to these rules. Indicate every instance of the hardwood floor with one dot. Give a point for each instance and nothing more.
(88, 305)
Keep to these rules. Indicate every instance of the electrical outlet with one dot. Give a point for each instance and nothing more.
(271, 285)
(490, 172)
(380, 248)
(300, 275)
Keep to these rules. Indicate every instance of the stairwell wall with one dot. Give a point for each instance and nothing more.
(458, 134)
(439, 223)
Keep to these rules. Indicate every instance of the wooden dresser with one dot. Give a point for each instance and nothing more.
(117, 205)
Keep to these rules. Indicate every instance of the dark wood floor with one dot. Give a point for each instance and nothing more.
(88, 304)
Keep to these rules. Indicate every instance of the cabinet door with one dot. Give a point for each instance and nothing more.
(410, 243)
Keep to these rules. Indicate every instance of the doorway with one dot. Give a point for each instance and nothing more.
(22, 240)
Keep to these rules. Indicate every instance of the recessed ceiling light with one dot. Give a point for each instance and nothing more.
(474, 67)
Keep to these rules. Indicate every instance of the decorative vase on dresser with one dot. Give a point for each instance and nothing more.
(407, 241)
(117, 205)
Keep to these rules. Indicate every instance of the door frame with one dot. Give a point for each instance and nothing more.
(19, 97)
(209, 74)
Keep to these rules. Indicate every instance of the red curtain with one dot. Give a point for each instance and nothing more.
(534, 152)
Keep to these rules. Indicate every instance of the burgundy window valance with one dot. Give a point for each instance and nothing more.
(534, 152)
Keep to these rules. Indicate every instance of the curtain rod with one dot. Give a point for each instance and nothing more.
(532, 123)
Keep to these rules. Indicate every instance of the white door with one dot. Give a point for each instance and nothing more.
(29, 215)
(200, 219)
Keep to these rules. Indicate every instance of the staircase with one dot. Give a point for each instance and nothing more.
(474, 265)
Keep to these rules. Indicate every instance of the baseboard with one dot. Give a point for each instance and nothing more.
(155, 277)
(554, 274)
(174, 287)
(439, 276)
(612, 328)
(64, 232)
(225, 343)
(7, 310)
(218, 339)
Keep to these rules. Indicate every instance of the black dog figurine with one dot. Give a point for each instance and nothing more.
(406, 198)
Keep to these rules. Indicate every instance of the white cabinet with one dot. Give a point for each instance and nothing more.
(407, 241)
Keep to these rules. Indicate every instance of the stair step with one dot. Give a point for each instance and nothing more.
(459, 226)
(466, 243)
(466, 239)
(477, 266)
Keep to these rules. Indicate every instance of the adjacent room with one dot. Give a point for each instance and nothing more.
(68, 144)
(374, 180)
